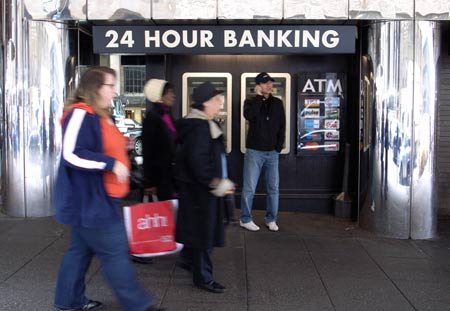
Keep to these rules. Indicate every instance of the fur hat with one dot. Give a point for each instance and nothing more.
(153, 89)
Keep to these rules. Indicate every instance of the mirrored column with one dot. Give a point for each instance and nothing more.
(402, 57)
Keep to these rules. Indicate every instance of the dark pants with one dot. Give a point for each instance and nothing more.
(202, 268)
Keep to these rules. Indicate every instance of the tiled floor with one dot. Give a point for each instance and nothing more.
(315, 262)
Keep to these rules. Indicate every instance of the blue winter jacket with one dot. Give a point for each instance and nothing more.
(80, 198)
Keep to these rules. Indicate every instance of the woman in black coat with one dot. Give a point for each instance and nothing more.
(158, 136)
(202, 180)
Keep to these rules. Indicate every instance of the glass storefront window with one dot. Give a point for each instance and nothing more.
(133, 79)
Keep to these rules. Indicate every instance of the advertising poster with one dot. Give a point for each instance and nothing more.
(320, 103)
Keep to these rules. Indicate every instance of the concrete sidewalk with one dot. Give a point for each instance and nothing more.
(315, 262)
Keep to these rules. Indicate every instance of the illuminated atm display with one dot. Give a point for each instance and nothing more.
(281, 89)
(221, 81)
(321, 99)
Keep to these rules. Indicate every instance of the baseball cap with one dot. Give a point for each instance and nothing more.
(263, 77)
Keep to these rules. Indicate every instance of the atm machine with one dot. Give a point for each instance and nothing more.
(321, 99)
(221, 81)
(281, 89)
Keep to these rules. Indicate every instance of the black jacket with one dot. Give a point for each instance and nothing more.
(159, 153)
(267, 123)
(200, 215)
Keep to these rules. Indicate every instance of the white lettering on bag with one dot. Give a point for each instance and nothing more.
(152, 221)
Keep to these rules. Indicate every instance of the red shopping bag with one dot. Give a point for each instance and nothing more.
(150, 227)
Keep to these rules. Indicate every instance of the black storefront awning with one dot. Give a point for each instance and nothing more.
(224, 39)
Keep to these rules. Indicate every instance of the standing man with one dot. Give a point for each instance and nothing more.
(265, 139)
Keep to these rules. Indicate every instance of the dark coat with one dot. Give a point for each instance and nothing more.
(267, 123)
(159, 153)
(200, 215)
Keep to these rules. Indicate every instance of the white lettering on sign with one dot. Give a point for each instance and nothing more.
(283, 38)
(127, 39)
(154, 221)
(173, 39)
(330, 42)
(154, 38)
(308, 37)
(330, 86)
(205, 38)
(229, 38)
(114, 36)
(186, 42)
(245, 38)
(171, 42)
(268, 39)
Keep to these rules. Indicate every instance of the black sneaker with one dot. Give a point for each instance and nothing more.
(90, 305)
(212, 287)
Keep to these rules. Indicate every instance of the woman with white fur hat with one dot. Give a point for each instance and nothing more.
(158, 136)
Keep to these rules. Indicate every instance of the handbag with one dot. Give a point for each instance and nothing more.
(230, 206)
(137, 178)
(150, 228)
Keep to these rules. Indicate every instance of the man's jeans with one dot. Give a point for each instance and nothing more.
(254, 162)
(111, 248)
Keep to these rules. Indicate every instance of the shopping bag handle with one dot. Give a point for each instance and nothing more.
(147, 194)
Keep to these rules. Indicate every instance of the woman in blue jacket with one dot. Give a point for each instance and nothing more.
(93, 176)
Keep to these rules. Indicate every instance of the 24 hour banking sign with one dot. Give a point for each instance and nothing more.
(224, 39)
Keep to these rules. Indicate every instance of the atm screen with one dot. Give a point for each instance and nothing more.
(221, 81)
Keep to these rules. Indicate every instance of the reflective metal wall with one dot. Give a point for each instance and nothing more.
(400, 202)
(47, 60)
(2, 119)
(119, 9)
(424, 191)
(14, 152)
(35, 62)
(244, 11)
(381, 9)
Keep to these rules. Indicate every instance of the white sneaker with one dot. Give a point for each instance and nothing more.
(251, 226)
(272, 226)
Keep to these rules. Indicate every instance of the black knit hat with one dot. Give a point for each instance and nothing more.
(203, 93)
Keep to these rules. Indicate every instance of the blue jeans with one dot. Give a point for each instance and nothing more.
(111, 248)
(254, 162)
